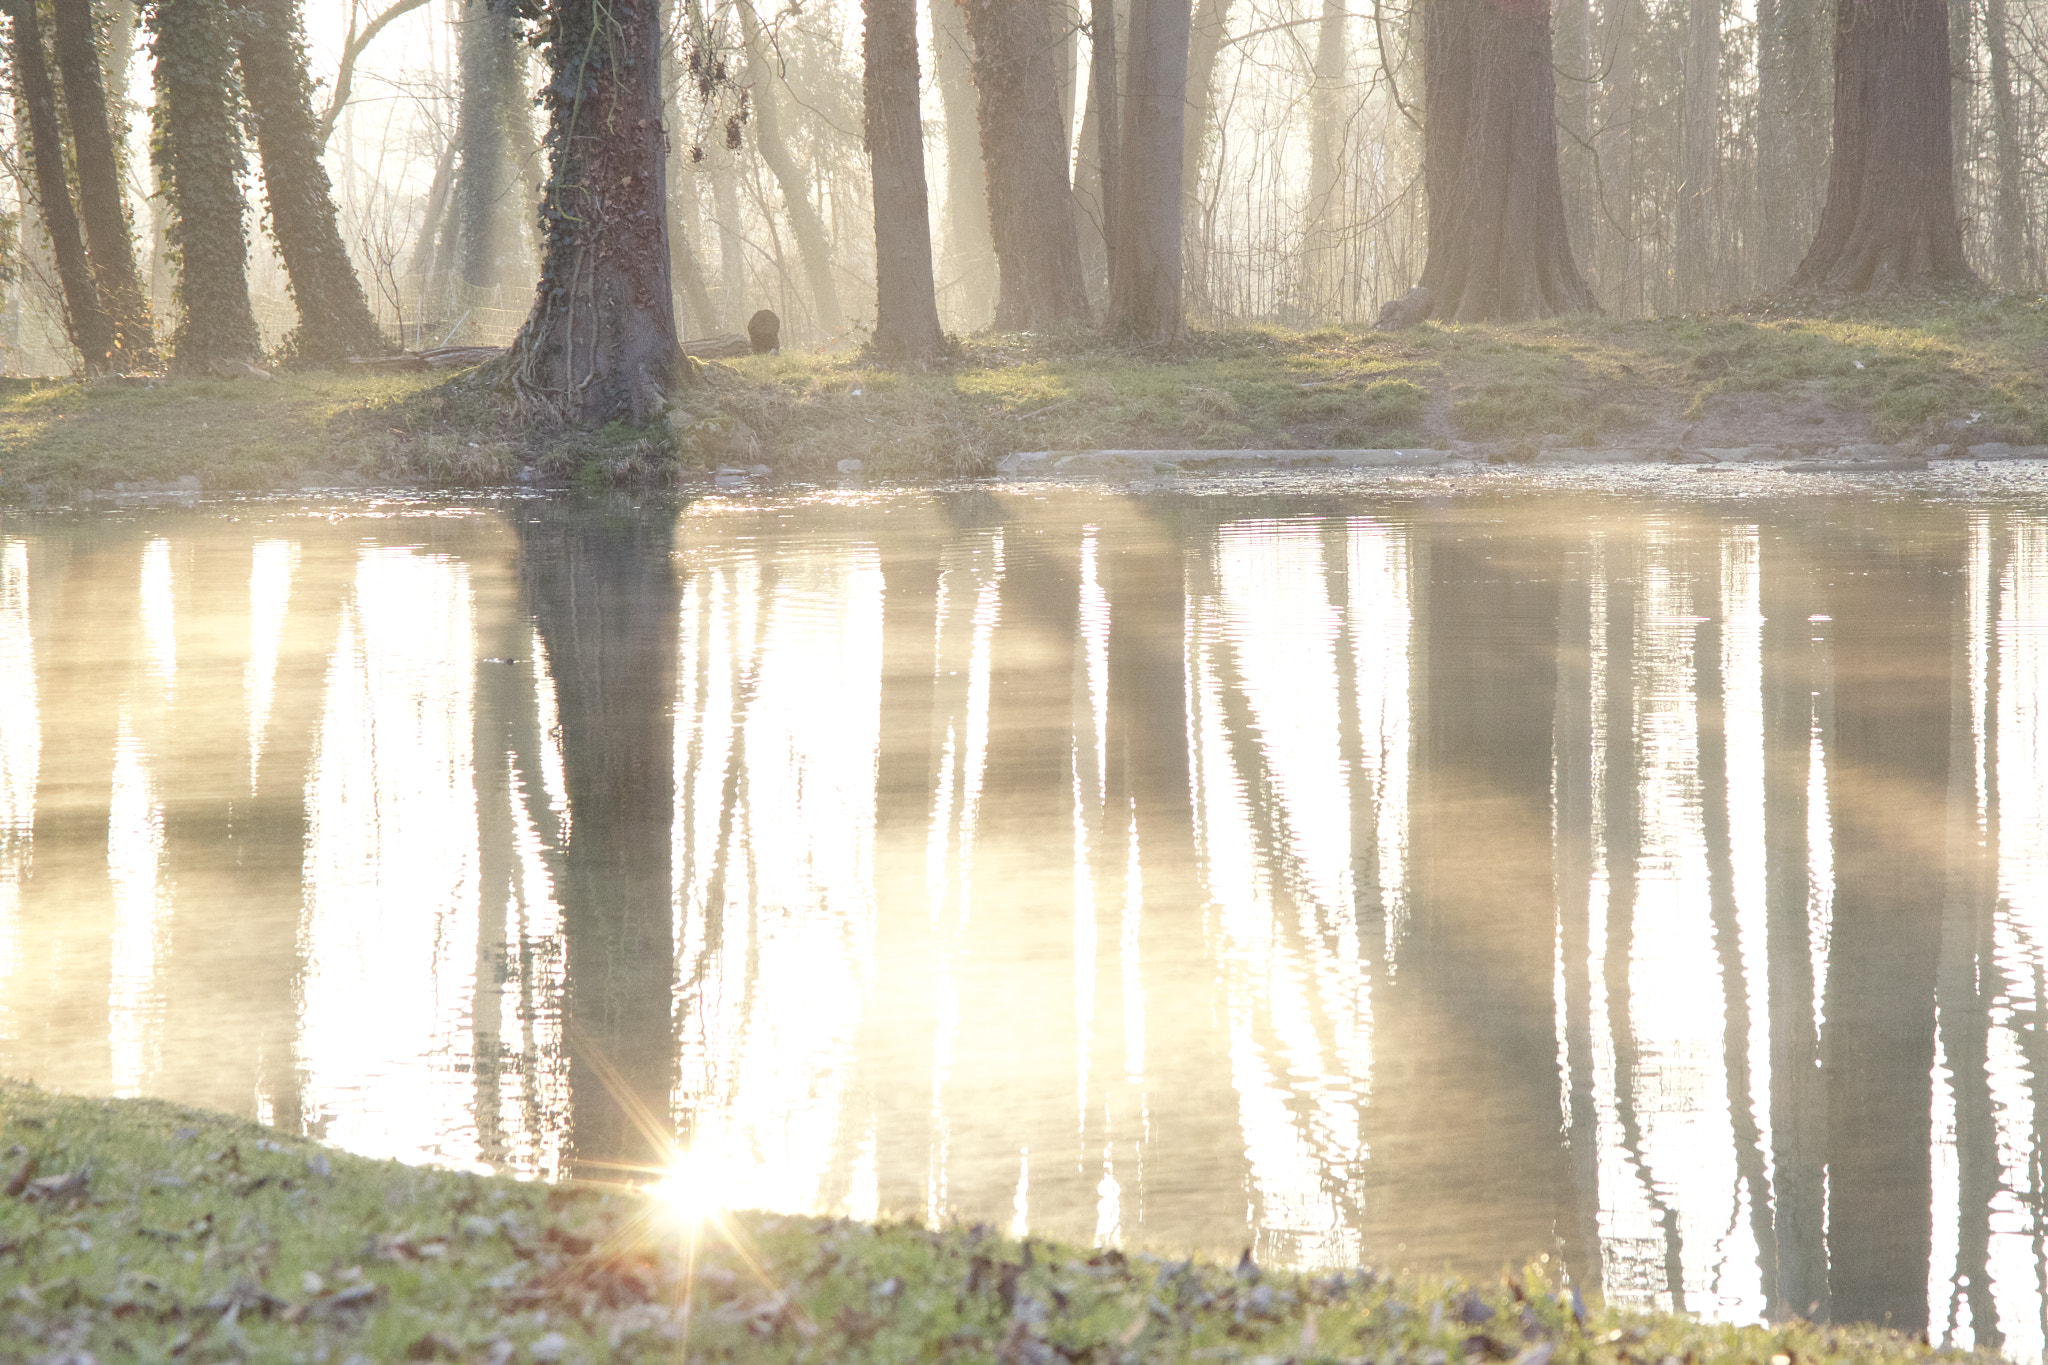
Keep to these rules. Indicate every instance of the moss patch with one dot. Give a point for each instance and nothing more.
(138, 1230)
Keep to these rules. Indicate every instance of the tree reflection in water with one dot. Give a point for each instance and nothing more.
(1341, 875)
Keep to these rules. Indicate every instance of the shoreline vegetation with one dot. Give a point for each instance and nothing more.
(142, 1230)
(1884, 382)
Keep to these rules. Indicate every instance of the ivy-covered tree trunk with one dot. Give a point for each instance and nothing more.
(334, 316)
(109, 240)
(1890, 219)
(600, 344)
(907, 303)
(490, 99)
(197, 150)
(86, 321)
(1030, 203)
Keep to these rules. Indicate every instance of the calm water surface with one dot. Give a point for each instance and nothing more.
(1430, 873)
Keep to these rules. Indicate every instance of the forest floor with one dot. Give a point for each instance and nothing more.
(138, 1230)
(1923, 378)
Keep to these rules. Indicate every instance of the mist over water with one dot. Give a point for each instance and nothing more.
(1361, 874)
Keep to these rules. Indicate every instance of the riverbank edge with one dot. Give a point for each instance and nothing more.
(140, 1229)
(1873, 387)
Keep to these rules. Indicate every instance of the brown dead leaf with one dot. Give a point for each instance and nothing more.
(22, 1177)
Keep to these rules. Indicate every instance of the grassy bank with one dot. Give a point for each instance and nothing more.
(1957, 371)
(136, 1230)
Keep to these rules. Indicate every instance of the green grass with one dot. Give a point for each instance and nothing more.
(1935, 371)
(138, 1230)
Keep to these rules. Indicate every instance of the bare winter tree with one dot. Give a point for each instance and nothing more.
(600, 344)
(1890, 219)
(1498, 245)
(1017, 54)
(906, 302)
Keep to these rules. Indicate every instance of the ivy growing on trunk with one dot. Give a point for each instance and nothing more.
(197, 150)
(600, 344)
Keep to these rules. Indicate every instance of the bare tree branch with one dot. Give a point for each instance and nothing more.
(352, 49)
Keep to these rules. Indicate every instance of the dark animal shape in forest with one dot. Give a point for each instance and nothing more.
(1404, 312)
(764, 329)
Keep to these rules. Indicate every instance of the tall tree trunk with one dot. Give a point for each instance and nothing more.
(334, 315)
(433, 216)
(1578, 76)
(812, 241)
(1031, 217)
(1696, 151)
(1145, 299)
(1498, 248)
(1206, 31)
(1621, 274)
(489, 55)
(907, 301)
(685, 223)
(1096, 160)
(1962, 74)
(1322, 247)
(2009, 226)
(90, 329)
(600, 343)
(970, 259)
(1792, 86)
(1890, 220)
(199, 162)
(101, 204)
(732, 247)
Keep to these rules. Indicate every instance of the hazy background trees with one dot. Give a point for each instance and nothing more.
(1693, 138)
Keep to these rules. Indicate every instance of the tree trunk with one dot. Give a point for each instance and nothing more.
(600, 344)
(732, 247)
(1207, 30)
(1961, 76)
(906, 297)
(199, 161)
(1096, 162)
(489, 57)
(334, 316)
(1621, 275)
(1577, 74)
(1890, 220)
(1792, 87)
(812, 241)
(685, 223)
(1031, 217)
(1145, 300)
(1322, 245)
(432, 216)
(970, 261)
(90, 329)
(1498, 247)
(2009, 226)
(1696, 151)
(109, 240)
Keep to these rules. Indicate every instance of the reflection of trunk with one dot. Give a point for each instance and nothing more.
(1752, 1171)
(603, 594)
(1193, 1137)
(898, 1029)
(85, 597)
(970, 261)
(1889, 780)
(101, 204)
(1969, 976)
(1579, 1212)
(1030, 209)
(803, 216)
(1798, 1102)
(1469, 1046)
